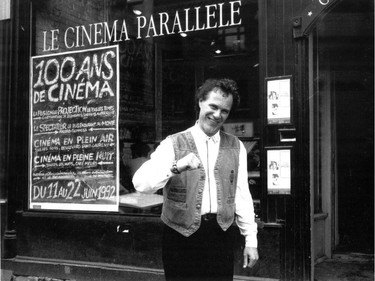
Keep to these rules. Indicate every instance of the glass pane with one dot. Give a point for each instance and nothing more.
(166, 50)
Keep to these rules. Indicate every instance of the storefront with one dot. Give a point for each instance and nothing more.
(95, 84)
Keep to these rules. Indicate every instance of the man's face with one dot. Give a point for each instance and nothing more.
(214, 111)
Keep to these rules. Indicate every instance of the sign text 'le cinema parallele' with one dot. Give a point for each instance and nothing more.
(182, 21)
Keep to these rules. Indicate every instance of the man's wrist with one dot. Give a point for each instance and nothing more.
(174, 168)
(251, 241)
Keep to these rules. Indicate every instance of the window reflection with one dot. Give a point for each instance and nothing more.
(133, 155)
(159, 74)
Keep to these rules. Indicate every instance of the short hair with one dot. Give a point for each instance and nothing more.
(228, 86)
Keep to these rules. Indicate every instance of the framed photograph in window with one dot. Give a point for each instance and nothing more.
(279, 96)
(279, 172)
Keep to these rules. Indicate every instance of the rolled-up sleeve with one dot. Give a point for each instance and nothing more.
(244, 204)
(155, 173)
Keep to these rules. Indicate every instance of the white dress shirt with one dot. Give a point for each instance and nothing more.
(155, 173)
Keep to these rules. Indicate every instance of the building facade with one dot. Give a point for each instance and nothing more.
(85, 82)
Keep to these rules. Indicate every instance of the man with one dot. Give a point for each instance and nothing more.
(204, 175)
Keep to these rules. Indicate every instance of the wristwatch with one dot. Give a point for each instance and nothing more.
(174, 169)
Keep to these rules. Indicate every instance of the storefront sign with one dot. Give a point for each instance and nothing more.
(188, 20)
(305, 22)
(73, 130)
(278, 171)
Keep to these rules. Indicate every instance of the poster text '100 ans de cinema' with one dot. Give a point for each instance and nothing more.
(74, 120)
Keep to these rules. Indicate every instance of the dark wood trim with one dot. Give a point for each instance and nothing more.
(18, 109)
(306, 21)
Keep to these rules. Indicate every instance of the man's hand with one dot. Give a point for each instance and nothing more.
(189, 162)
(250, 257)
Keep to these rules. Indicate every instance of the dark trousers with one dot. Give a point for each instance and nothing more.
(205, 255)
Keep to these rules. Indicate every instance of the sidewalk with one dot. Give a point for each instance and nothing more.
(346, 267)
(6, 275)
(342, 267)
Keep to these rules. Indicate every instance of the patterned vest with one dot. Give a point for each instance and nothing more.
(183, 192)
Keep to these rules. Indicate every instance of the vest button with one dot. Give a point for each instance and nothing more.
(198, 205)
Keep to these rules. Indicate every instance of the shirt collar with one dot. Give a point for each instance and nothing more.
(201, 135)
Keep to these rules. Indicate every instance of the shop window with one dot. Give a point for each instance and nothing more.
(165, 53)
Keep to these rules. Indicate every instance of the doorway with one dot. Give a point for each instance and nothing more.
(341, 56)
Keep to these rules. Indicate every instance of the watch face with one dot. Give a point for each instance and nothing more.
(174, 168)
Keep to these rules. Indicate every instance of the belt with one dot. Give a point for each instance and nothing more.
(208, 217)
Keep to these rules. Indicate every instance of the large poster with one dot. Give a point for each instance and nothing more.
(73, 130)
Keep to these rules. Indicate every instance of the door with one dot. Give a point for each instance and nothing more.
(341, 99)
(322, 151)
